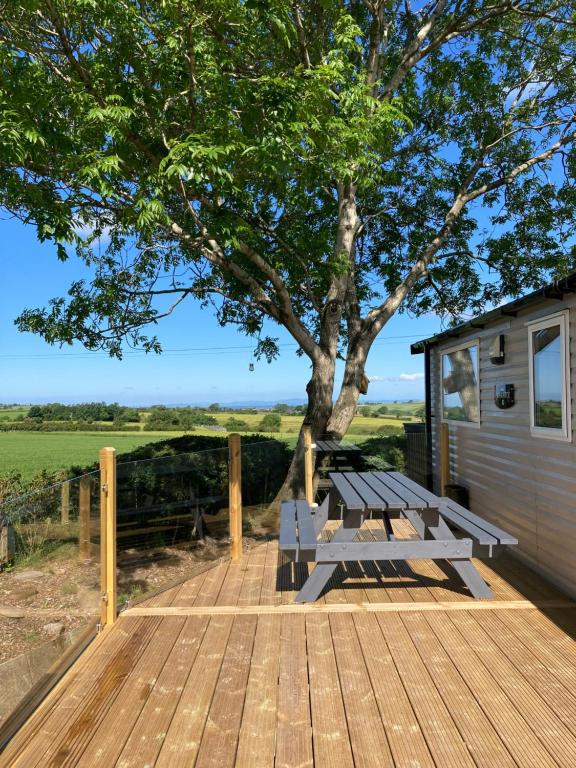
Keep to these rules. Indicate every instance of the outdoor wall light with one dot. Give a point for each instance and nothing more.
(497, 355)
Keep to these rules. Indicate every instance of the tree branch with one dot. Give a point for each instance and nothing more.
(302, 42)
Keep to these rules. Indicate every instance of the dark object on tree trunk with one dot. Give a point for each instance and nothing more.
(363, 384)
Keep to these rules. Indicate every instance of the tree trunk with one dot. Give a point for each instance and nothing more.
(324, 417)
(320, 390)
(344, 408)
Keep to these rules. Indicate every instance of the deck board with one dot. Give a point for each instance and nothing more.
(395, 665)
(146, 737)
(329, 728)
(257, 739)
(294, 727)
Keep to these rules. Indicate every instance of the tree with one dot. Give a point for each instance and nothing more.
(234, 424)
(271, 422)
(320, 166)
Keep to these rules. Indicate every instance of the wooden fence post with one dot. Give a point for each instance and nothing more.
(235, 494)
(308, 464)
(444, 457)
(65, 503)
(7, 543)
(84, 547)
(108, 535)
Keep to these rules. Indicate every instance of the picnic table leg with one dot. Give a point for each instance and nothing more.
(320, 515)
(464, 568)
(322, 572)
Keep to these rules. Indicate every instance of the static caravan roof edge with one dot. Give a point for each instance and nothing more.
(554, 290)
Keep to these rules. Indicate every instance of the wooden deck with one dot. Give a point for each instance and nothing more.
(397, 666)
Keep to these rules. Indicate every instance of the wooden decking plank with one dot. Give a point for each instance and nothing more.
(514, 730)
(442, 736)
(79, 683)
(232, 583)
(446, 586)
(482, 739)
(147, 736)
(257, 739)
(367, 737)
(558, 693)
(80, 710)
(104, 742)
(502, 589)
(334, 592)
(329, 727)
(518, 576)
(210, 589)
(397, 592)
(356, 586)
(164, 597)
(405, 736)
(270, 594)
(545, 723)
(294, 730)
(419, 590)
(182, 741)
(377, 593)
(252, 582)
(220, 737)
(343, 606)
(554, 646)
(188, 592)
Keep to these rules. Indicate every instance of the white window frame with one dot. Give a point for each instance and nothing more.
(449, 350)
(563, 320)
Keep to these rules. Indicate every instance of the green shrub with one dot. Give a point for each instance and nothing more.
(271, 422)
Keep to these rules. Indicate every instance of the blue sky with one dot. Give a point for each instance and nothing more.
(203, 363)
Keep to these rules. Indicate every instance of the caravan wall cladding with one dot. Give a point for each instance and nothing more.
(518, 461)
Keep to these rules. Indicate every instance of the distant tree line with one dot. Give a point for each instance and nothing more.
(163, 419)
(84, 412)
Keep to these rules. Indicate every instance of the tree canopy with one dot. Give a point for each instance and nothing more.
(319, 164)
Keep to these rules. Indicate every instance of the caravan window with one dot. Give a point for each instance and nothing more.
(460, 384)
(549, 377)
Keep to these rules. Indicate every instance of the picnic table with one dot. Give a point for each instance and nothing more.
(357, 496)
(336, 447)
(335, 455)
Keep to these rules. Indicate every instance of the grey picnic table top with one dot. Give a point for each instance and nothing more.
(381, 491)
(334, 446)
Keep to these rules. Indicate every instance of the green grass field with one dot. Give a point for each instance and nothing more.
(13, 414)
(31, 452)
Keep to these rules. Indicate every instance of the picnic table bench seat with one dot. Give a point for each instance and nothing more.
(297, 533)
(487, 537)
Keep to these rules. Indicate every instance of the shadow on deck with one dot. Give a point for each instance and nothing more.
(393, 666)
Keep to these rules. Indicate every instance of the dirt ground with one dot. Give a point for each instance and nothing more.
(38, 602)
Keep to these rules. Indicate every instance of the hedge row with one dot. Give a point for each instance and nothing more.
(32, 425)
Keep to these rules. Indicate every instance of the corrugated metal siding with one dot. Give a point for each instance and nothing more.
(525, 484)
